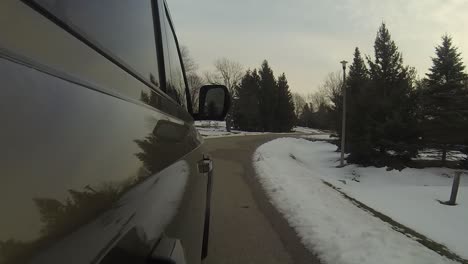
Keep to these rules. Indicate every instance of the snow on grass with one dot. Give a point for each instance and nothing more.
(306, 130)
(291, 171)
(213, 129)
(435, 154)
(320, 137)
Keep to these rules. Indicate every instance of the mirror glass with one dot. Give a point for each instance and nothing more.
(214, 102)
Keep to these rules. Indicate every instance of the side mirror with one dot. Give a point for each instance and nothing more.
(214, 103)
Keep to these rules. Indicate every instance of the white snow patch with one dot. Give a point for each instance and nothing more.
(320, 137)
(436, 154)
(291, 172)
(214, 129)
(306, 130)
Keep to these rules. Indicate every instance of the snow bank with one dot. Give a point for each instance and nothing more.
(291, 172)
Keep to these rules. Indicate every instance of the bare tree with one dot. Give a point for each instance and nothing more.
(212, 78)
(299, 103)
(332, 88)
(317, 99)
(328, 93)
(194, 80)
(189, 63)
(230, 72)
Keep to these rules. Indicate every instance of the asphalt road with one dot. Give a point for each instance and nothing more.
(245, 227)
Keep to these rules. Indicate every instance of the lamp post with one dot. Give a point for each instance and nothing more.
(343, 120)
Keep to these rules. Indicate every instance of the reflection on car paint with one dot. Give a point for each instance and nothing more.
(89, 172)
(133, 211)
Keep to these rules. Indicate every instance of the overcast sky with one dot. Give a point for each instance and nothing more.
(307, 39)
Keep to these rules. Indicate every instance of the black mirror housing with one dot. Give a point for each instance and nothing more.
(214, 103)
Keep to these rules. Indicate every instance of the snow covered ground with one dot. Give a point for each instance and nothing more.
(292, 172)
(306, 130)
(212, 129)
(320, 137)
(435, 154)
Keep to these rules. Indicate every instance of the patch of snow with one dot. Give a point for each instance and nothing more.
(214, 129)
(291, 171)
(320, 137)
(435, 154)
(211, 124)
(306, 130)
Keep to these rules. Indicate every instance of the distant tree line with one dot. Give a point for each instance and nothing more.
(392, 112)
(263, 102)
(260, 101)
(321, 108)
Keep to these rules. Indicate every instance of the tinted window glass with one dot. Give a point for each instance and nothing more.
(175, 86)
(124, 29)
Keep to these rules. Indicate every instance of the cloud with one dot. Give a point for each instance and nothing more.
(307, 39)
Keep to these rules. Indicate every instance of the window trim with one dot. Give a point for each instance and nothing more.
(96, 46)
(159, 44)
(166, 15)
(156, 16)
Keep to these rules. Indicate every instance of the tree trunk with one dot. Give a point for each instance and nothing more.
(456, 184)
(444, 155)
(228, 125)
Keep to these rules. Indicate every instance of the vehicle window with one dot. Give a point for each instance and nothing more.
(175, 86)
(122, 29)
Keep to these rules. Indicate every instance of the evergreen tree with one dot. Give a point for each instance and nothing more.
(447, 71)
(268, 96)
(262, 103)
(391, 101)
(358, 122)
(358, 74)
(285, 108)
(323, 118)
(445, 100)
(246, 109)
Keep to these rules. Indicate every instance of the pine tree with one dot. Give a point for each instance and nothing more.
(447, 71)
(262, 103)
(285, 108)
(358, 74)
(445, 100)
(246, 112)
(268, 96)
(358, 123)
(391, 102)
(323, 117)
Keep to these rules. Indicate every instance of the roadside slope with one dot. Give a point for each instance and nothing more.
(292, 172)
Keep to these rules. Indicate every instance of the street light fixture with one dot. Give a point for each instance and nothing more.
(343, 120)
